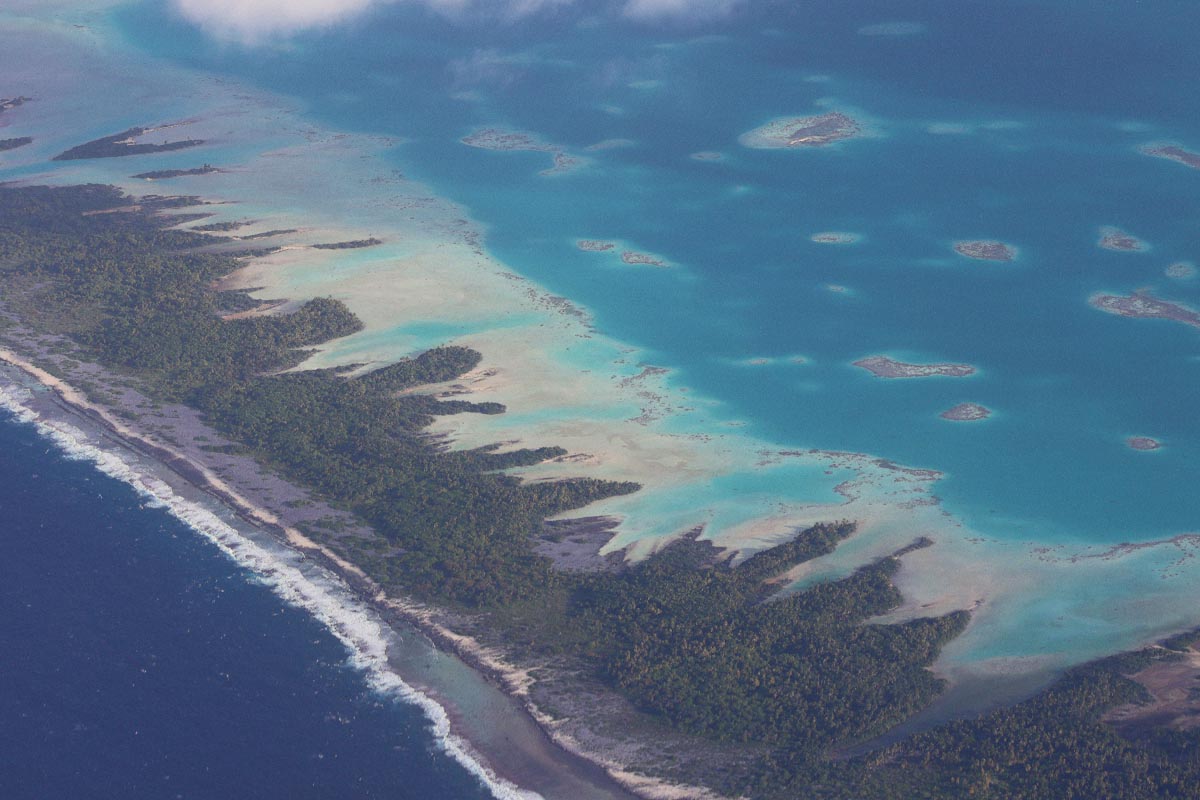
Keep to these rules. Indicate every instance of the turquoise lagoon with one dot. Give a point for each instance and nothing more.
(1014, 121)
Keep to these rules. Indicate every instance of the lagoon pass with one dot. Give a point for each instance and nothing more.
(930, 271)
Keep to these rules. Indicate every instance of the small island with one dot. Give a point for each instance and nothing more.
(966, 412)
(13, 144)
(636, 258)
(1174, 153)
(1143, 443)
(1116, 239)
(354, 244)
(502, 140)
(124, 143)
(707, 155)
(790, 132)
(160, 174)
(985, 250)
(836, 237)
(1142, 305)
(884, 367)
(563, 162)
(594, 245)
(9, 103)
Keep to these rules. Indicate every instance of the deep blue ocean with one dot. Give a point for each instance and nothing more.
(137, 661)
(1050, 102)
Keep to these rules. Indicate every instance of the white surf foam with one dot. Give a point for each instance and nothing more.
(321, 594)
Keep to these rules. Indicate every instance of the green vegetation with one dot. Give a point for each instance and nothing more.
(1053, 746)
(139, 299)
(13, 144)
(696, 641)
(351, 245)
(700, 642)
(123, 144)
(219, 226)
(159, 174)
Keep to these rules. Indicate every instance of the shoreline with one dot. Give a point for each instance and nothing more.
(508, 678)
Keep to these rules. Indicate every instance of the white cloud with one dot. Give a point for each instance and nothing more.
(680, 9)
(253, 20)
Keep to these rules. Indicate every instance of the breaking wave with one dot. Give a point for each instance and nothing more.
(296, 581)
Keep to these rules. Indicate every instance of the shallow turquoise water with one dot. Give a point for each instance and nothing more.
(1078, 90)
